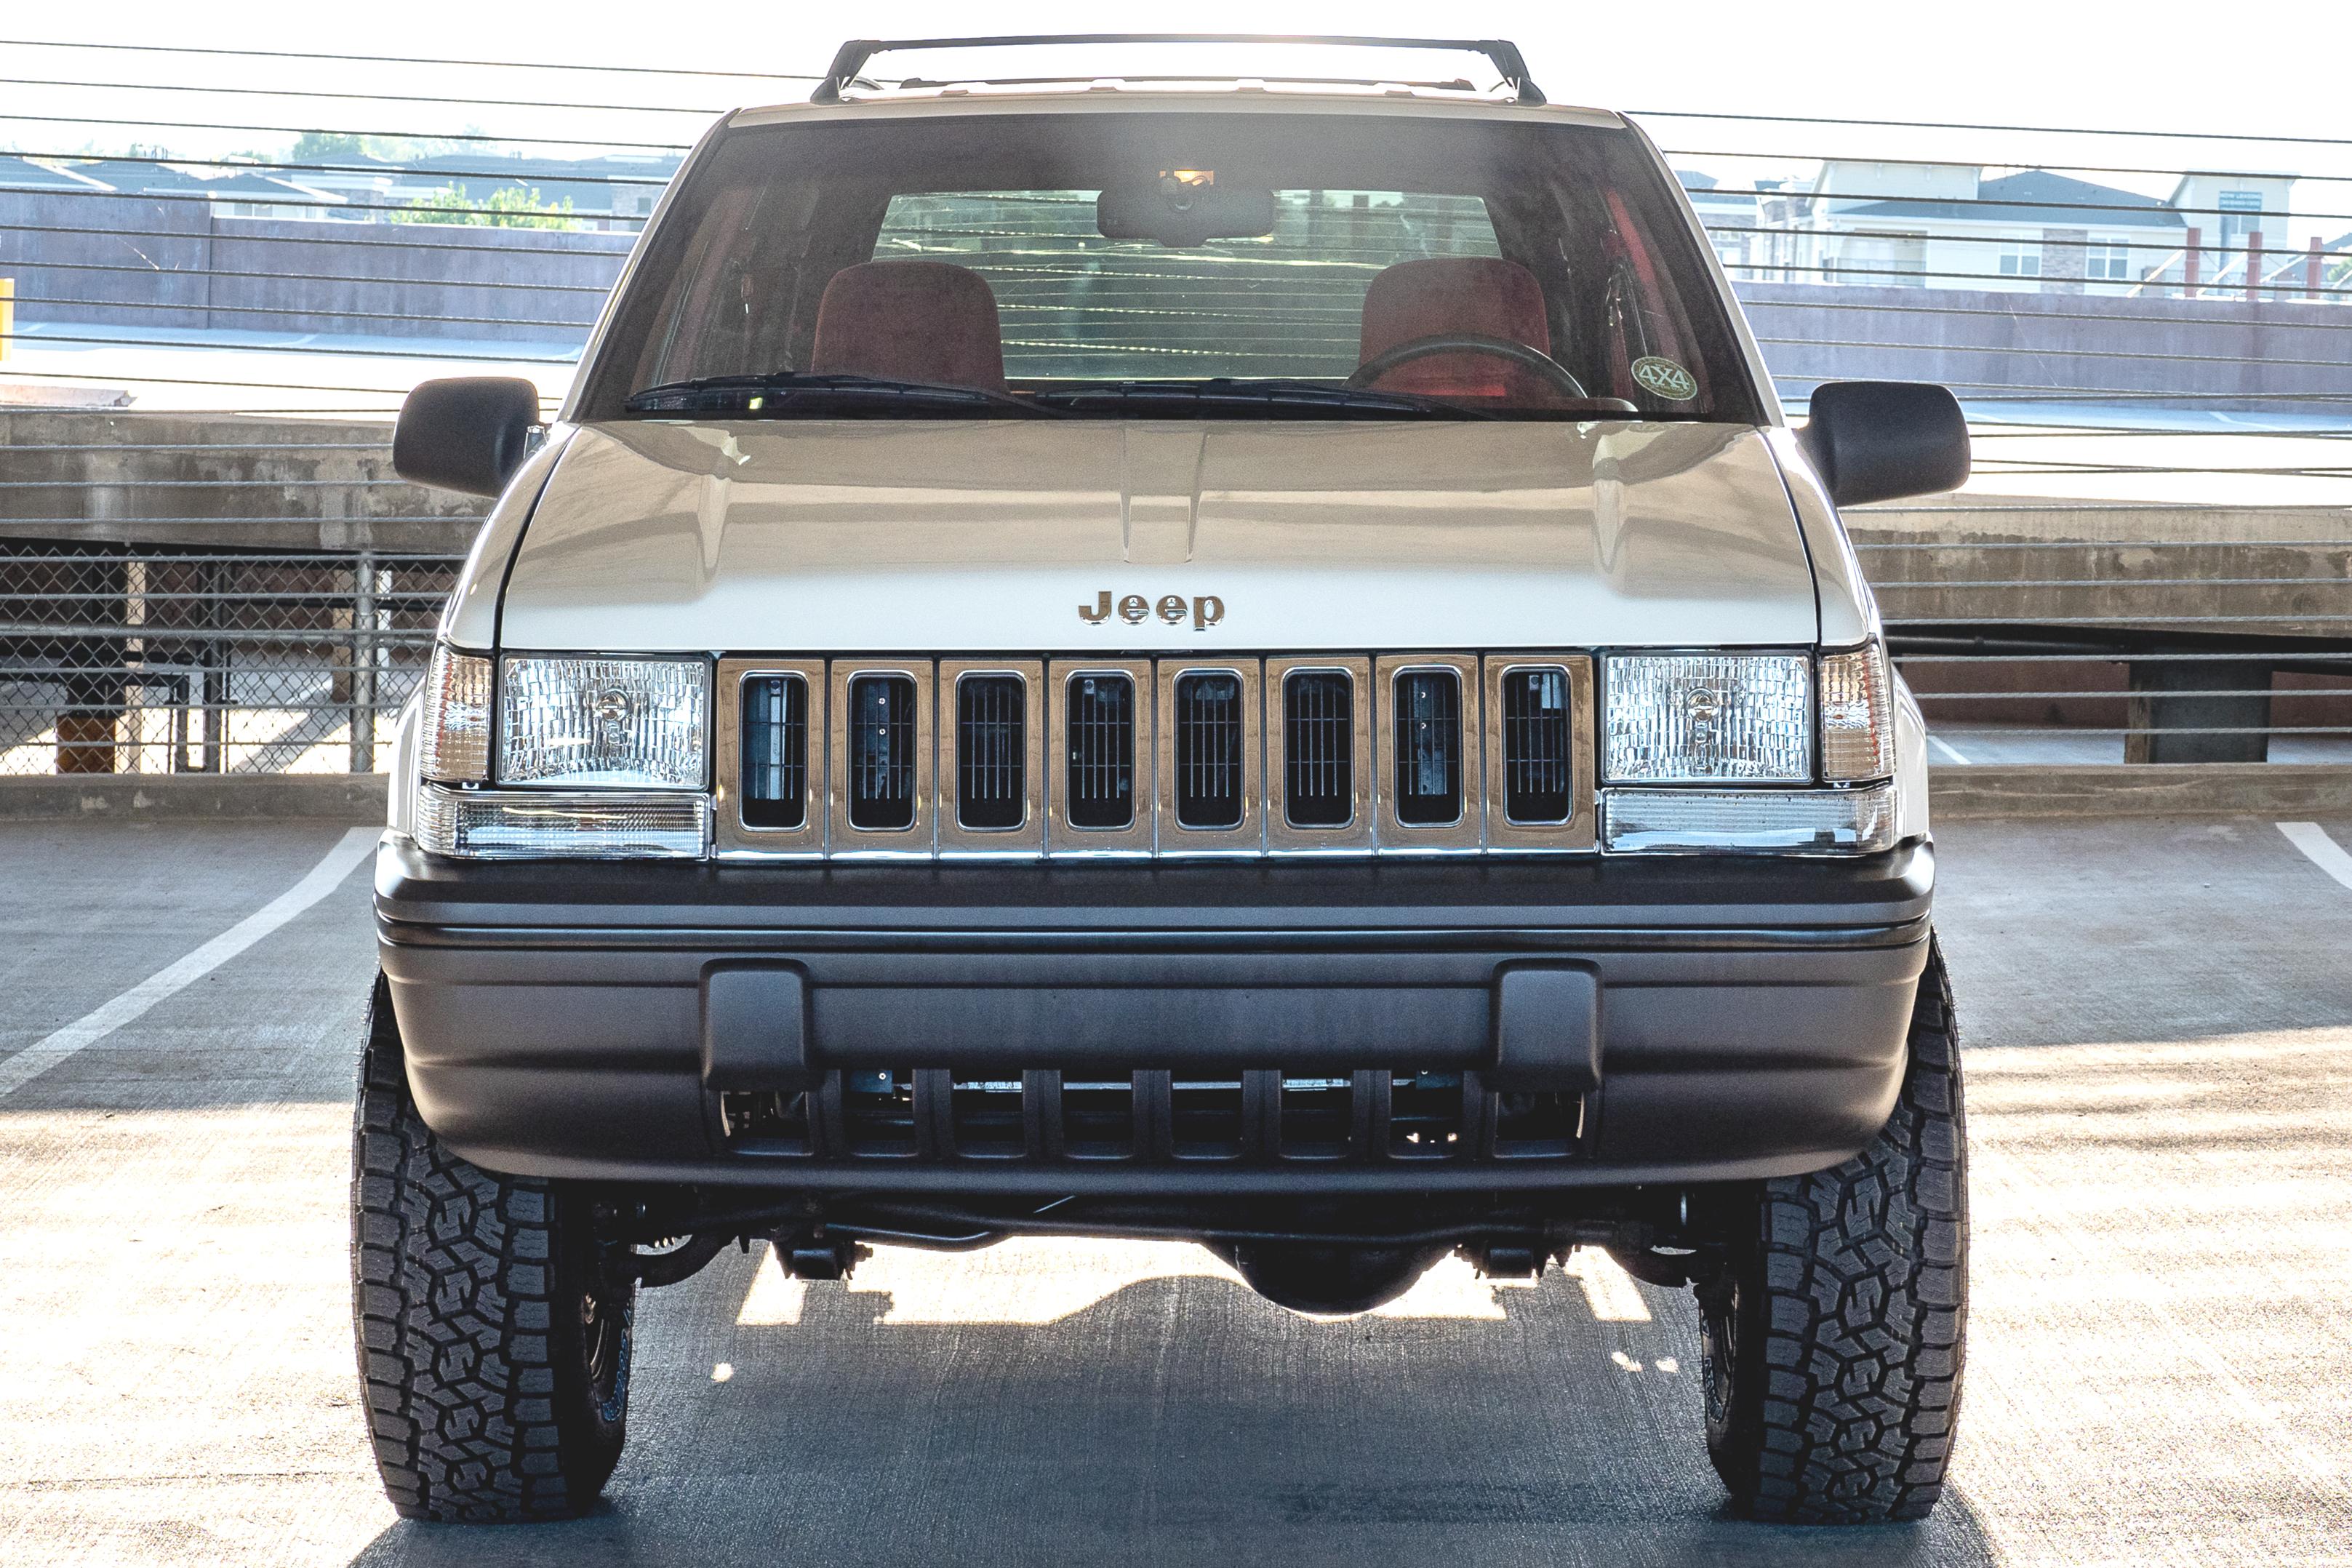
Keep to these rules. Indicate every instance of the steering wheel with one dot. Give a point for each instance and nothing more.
(1369, 372)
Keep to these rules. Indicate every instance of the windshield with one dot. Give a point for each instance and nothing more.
(1170, 265)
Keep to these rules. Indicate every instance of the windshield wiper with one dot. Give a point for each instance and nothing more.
(1237, 397)
(799, 392)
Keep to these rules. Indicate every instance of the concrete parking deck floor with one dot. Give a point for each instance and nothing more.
(2159, 1015)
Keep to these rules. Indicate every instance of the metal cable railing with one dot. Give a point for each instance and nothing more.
(228, 578)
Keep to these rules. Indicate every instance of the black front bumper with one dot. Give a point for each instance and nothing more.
(1711, 1018)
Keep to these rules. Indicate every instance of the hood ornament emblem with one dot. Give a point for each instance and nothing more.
(1206, 610)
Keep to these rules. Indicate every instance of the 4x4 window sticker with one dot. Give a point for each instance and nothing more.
(1654, 302)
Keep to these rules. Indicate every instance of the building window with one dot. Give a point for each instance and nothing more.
(2241, 214)
(1883, 260)
(2111, 262)
(2020, 261)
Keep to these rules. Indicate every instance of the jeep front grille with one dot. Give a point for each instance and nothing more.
(1427, 754)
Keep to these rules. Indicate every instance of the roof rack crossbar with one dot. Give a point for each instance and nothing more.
(850, 60)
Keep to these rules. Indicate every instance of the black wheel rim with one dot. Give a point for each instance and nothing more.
(1719, 1351)
(605, 1351)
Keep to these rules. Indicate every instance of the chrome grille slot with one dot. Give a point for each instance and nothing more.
(1318, 749)
(1428, 748)
(877, 1114)
(992, 714)
(1425, 1115)
(774, 775)
(1538, 771)
(1316, 1119)
(1098, 1118)
(1101, 734)
(881, 769)
(985, 1118)
(1206, 1118)
(1210, 770)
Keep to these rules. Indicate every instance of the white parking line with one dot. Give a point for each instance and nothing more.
(1946, 747)
(91, 1028)
(2319, 849)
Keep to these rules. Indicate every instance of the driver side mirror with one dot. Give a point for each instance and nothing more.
(1882, 440)
(466, 433)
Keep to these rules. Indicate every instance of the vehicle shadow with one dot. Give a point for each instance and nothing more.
(1176, 1420)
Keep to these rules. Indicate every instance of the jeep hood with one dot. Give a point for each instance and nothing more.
(969, 536)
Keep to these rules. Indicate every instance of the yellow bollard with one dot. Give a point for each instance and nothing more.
(7, 313)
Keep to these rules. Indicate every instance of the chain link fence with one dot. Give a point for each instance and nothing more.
(123, 659)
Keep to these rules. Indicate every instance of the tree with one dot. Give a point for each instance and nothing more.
(507, 206)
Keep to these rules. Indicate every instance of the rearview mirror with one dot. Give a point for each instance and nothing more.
(467, 433)
(1183, 214)
(1882, 440)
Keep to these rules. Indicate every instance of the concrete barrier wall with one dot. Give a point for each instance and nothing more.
(118, 261)
(231, 481)
(447, 280)
(2082, 347)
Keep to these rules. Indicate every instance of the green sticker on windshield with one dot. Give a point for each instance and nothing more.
(1665, 378)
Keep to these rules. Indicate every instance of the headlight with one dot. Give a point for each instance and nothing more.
(604, 723)
(454, 739)
(1857, 715)
(1690, 718)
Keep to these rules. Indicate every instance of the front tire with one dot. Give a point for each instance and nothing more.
(493, 1348)
(1833, 1341)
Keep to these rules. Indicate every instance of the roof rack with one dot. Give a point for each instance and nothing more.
(850, 60)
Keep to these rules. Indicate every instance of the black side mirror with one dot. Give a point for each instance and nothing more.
(469, 433)
(1881, 440)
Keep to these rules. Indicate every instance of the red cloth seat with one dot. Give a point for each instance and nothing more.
(1485, 296)
(911, 321)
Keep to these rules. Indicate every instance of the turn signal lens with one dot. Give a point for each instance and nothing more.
(454, 740)
(1857, 715)
(502, 824)
(1774, 821)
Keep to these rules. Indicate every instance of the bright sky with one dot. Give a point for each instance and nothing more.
(2044, 62)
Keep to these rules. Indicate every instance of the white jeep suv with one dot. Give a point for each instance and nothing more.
(1247, 661)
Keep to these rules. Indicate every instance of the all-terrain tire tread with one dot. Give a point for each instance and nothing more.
(1862, 1326)
(453, 1270)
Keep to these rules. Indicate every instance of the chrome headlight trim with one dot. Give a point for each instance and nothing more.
(1860, 821)
(562, 824)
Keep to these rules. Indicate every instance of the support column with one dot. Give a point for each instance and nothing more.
(2156, 718)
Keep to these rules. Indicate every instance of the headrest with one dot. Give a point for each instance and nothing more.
(1483, 295)
(909, 321)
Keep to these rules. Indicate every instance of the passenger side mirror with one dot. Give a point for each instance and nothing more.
(468, 433)
(1881, 440)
